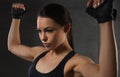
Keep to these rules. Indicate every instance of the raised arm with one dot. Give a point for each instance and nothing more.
(108, 51)
(14, 42)
(108, 57)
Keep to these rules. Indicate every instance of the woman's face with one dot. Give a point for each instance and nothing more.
(51, 33)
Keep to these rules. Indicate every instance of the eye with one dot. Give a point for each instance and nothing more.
(49, 30)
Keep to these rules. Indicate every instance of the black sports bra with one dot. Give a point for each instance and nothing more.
(57, 72)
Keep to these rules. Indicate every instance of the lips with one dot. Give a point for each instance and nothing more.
(46, 44)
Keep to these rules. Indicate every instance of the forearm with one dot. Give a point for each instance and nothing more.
(17, 11)
(108, 50)
(14, 35)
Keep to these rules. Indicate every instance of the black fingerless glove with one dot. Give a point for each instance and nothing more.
(17, 13)
(103, 13)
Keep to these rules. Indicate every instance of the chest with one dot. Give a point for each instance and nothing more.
(48, 64)
(53, 67)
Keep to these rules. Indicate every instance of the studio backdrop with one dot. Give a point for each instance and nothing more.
(85, 32)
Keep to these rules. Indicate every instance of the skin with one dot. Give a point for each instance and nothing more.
(56, 36)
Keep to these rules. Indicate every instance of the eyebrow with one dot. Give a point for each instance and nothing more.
(44, 28)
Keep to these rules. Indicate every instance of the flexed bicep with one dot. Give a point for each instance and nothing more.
(14, 42)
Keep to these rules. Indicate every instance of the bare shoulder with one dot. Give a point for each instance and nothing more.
(81, 59)
(83, 63)
(37, 50)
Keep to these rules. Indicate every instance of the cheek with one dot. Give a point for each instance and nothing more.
(52, 37)
(57, 38)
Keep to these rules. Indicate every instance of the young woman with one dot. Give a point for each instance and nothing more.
(57, 58)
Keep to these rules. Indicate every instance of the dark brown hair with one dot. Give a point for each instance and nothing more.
(60, 15)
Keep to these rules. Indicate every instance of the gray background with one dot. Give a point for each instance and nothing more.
(85, 30)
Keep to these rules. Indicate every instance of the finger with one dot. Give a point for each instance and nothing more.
(14, 5)
(96, 3)
(18, 6)
(22, 6)
(89, 3)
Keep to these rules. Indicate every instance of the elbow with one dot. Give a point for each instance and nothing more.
(10, 48)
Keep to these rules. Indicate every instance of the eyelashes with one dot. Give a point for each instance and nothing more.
(47, 30)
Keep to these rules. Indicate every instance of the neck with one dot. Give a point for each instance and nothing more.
(63, 48)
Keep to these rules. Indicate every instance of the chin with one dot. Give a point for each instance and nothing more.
(49, 48)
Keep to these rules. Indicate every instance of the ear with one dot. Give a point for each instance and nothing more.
(67, 28)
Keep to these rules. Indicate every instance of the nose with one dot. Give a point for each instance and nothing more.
(44, 37)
